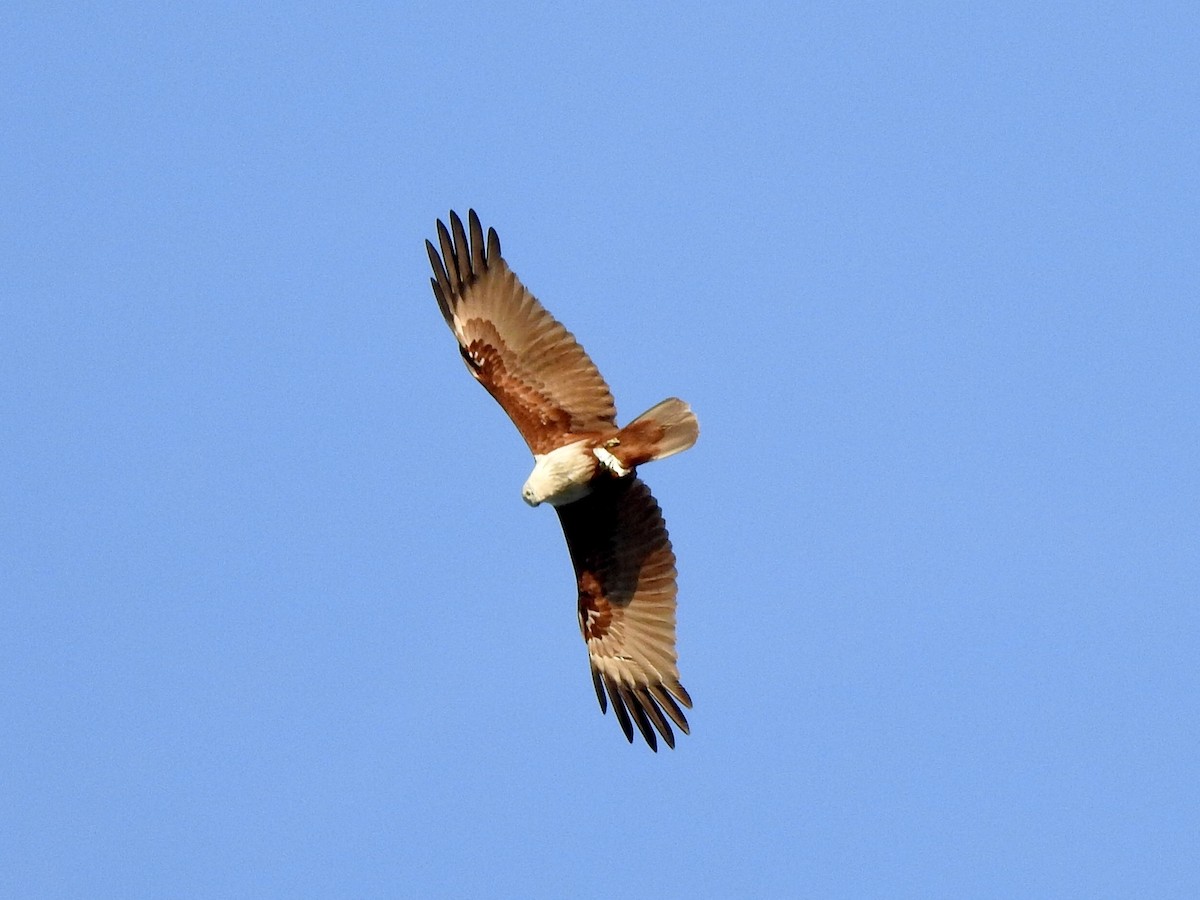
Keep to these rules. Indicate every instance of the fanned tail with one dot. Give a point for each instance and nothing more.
(661, 431)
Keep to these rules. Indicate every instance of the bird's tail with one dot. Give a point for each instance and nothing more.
(659, 432)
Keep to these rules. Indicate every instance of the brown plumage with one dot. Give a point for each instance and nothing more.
(514, 348)
(625, 569)
(554, 394)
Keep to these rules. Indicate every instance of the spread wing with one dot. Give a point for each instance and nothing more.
(528, 361)
(625, 569)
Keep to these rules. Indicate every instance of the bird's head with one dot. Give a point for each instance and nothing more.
(530, 494)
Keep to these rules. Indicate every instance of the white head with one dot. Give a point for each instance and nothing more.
(530, 493)
(560, 476)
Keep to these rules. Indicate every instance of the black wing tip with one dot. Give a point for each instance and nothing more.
(634, 703)
(456, 223)
(442, 230)
(599, 685)
(645, 707)
(454, 216)
(619, 710)
(681, 692)
(462, 258)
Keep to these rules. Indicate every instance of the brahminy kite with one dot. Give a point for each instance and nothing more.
(585, 467)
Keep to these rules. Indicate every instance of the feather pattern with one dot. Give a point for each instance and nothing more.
(530, 363)
(625, 571)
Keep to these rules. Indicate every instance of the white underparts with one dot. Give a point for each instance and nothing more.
(561, 476)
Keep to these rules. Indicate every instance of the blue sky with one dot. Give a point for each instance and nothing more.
(275, 619)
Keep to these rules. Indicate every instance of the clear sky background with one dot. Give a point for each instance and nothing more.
(275, 621)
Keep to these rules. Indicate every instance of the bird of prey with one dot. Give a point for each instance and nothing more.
(585, 467)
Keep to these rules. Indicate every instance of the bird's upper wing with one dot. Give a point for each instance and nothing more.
(525, 358)
(625, 570)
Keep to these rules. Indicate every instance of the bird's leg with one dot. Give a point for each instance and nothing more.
(609, 461)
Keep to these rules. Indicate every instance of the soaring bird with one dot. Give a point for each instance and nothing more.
(585, 467)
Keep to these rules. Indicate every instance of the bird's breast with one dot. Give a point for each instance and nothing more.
(563, 475)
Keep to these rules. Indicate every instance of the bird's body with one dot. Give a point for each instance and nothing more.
(563, 475)
(585, 467)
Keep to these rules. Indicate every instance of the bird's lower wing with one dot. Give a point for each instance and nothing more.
(625, 570)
